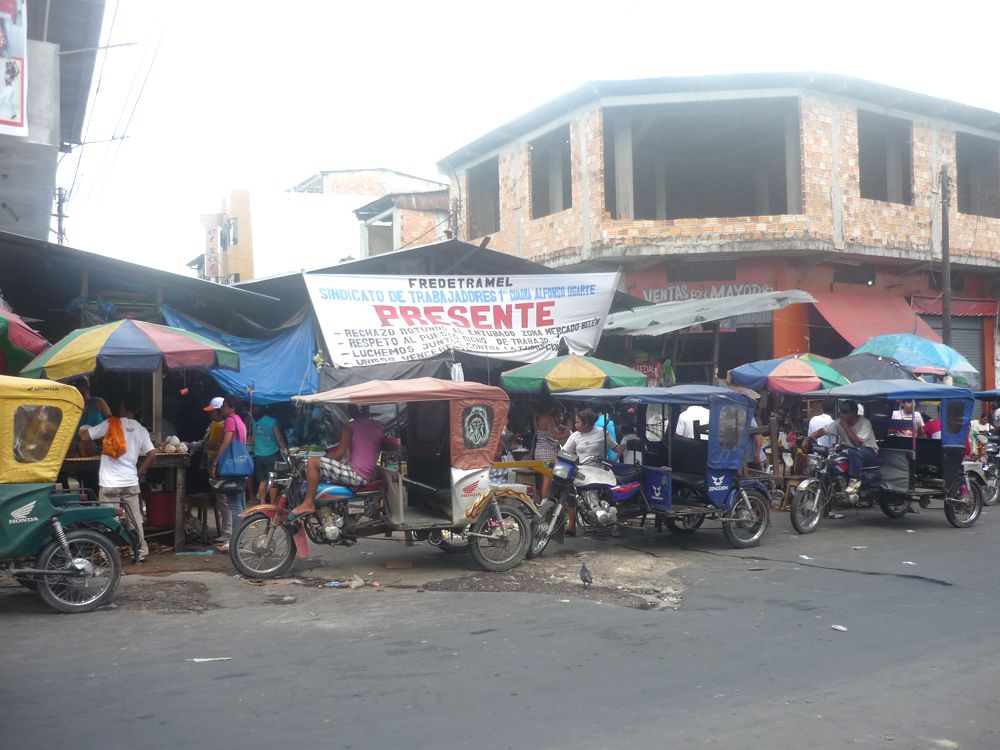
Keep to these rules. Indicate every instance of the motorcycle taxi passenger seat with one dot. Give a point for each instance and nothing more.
(625, 473)
(693, 481)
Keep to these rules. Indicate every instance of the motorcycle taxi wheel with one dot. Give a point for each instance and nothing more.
(498, 554)
(807, 508)
(684, 525)
(96, 566)
(539, 539)
(963, 516)
(261, 548)
(991, 492)
(893, 506)
(751, 515)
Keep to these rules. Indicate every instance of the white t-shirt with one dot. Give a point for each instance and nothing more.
(585, 444)
(685, 422)
(819, 422)
(862, 429)
(121, 471)
(656, 420)
(630, 456)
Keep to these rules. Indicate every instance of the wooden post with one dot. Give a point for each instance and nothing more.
(157, 398)
(716, 336)
(180, 477)
(773, 423)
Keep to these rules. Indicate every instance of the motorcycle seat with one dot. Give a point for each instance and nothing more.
(374, 485)
(627, 474)
(694, 481)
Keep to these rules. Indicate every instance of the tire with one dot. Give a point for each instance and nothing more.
(255, 555)
(991, 493)
(962, 517)
(539, 539)
(452, 547)
(807, 508)
(501, 555)
(91, 552)
(893, 506)
(752, 511)
(686, 524)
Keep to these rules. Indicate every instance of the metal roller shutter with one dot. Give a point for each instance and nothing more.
(966, 339)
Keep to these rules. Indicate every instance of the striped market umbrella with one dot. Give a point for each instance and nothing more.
(798, 373)
(129, 346)
(19, 342)
(569, 373)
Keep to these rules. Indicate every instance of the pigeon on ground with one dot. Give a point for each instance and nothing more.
(585, 576)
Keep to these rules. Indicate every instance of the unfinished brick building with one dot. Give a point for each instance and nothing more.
(733, 184)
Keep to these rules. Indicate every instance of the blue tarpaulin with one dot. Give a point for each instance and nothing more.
(276, 368)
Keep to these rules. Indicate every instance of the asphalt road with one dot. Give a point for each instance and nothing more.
(749, 660)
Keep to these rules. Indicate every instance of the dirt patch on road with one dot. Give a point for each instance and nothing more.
(621, 577)
(164, 597)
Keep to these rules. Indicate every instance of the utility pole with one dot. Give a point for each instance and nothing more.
(60, 215)
(945, 258)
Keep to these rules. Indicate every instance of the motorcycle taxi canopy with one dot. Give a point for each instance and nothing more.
(729, 414)
(477, 413)
(37, 421)
(956, 403)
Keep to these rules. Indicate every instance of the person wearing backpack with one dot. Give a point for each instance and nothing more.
(123, 441)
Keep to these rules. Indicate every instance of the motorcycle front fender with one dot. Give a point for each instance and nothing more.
(805, 484)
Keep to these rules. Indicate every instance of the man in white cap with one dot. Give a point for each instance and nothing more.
(211, 444)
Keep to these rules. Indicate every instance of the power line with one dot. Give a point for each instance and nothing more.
(93, 103)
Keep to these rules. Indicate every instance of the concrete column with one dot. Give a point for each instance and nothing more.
(893, 172)
(397, 229)
(793, 165)
(555, 174)
(583, 164)
(624, 182)
(364, 239)
(660, 182)
(836, 181)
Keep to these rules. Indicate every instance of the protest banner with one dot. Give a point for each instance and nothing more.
(369, 320)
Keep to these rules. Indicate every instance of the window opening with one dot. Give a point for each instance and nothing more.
(551, 174)
(35, 427)
(885, 156)
(956, 417)
(484, 198)
(978, 166)
(703, 160)
(732, 422)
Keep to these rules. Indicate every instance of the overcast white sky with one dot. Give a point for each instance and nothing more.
(248, 94)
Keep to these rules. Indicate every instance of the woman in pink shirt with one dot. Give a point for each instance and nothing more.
(232, 429)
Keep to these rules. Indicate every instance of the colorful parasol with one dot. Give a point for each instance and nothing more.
(871, 367)
(922, 356)
(798, 373)
(569, 373)
(129, 346)
(19, 342)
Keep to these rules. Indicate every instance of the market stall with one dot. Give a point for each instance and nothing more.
(133, 346)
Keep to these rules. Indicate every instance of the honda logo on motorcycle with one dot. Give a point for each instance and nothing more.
(471, 488)
(22, 514)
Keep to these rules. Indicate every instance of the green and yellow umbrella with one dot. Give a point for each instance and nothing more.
(569, 373)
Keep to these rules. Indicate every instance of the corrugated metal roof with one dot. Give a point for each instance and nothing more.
(667, 317)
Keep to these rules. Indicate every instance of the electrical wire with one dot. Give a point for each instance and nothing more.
(93, 102)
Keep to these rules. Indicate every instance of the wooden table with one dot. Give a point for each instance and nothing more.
(179, 462)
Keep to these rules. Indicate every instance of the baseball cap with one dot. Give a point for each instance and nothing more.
(216, 404)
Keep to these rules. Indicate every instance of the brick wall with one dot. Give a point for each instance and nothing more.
(834, 215)
(421, 227)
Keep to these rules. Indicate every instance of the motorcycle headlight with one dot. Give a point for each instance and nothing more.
(815, 462)
(561, 470)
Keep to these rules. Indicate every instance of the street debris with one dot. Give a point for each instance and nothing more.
(398, 564)
(806, 557)
(839, 628)
(907, 562)
(203, 659)
(860, 546)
